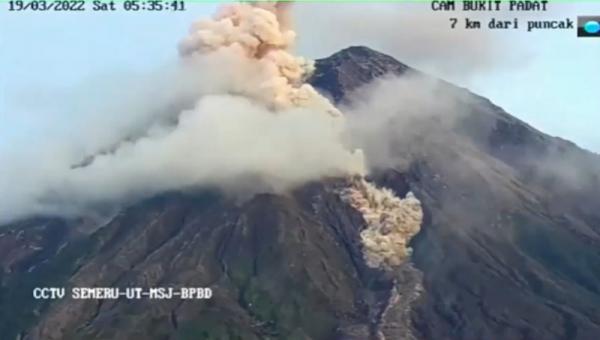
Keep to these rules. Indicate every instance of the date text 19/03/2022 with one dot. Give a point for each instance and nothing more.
(96, 5)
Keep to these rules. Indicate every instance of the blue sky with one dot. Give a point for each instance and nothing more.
(554, 91)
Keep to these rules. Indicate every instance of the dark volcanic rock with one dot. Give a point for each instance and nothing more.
(509, 249)
(280, 267)
(352, 68)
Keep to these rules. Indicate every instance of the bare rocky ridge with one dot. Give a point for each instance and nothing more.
(510, 246)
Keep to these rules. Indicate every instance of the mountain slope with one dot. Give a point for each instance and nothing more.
(280, 267)
(509, 248)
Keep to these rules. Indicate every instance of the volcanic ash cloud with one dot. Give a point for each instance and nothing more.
(255, 35)
(261, 121)
(256, 126)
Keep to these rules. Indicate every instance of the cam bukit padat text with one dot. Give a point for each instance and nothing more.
(495, 5)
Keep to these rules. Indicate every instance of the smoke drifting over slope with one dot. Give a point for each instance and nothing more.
(392, 113)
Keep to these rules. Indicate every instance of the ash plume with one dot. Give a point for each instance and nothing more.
(252, 125)
(253, 34)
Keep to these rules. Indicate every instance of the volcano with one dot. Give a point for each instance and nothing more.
(507, 249)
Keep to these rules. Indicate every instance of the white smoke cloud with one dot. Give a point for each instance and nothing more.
(220, 143)
(395, 116)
